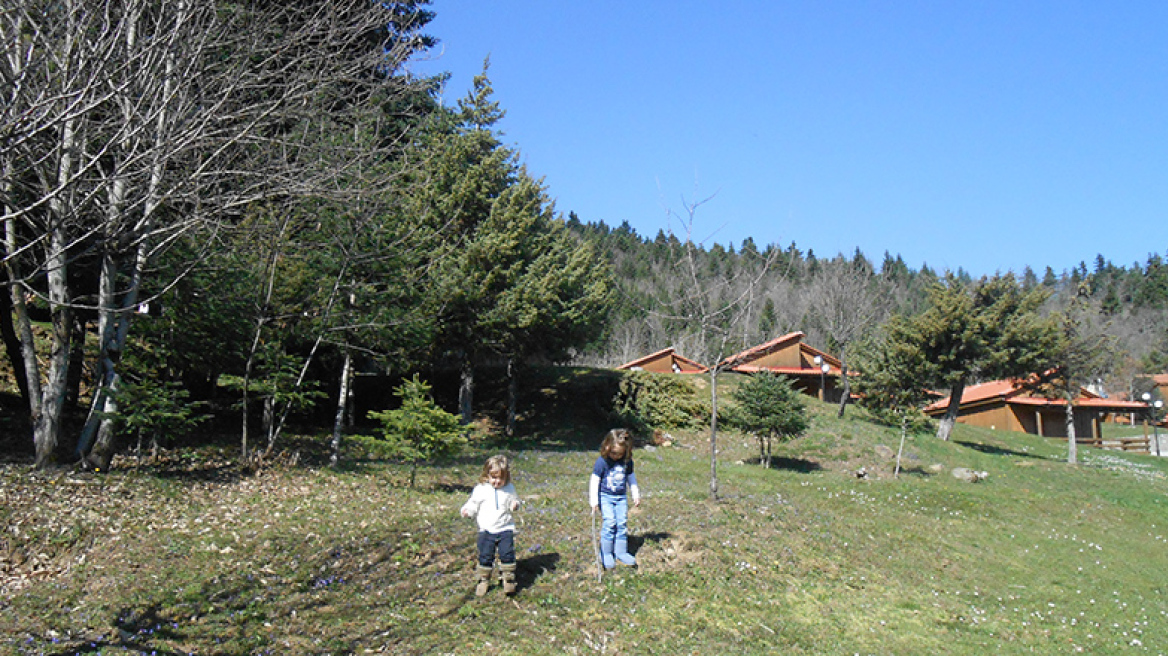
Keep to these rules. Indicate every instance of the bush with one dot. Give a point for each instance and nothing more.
(419, 430)
(770, 408)
(645, 401)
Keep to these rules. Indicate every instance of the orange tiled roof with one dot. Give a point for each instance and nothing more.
(1013, 391)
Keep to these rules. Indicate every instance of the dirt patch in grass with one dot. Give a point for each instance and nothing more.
(670, 552)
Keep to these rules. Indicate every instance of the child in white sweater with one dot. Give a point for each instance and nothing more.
(491, 502)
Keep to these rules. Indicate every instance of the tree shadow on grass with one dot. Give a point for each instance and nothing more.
(135, 632)
(916, 471)
(452, 488)
(791, 464)
(223, 474)
(998, 451)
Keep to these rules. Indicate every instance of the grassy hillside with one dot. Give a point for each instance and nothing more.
(191, 556)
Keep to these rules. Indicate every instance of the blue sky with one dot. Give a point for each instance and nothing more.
(987, 135)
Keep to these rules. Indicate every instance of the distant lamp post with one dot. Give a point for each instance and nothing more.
(1153, 414)
(823, 369)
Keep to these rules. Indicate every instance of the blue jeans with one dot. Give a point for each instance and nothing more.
(504, 542)
(614, 508)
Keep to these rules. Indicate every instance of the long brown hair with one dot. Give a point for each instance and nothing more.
(617, 437)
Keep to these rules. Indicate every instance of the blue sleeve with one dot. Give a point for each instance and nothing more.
(600, 468)
(631, 479)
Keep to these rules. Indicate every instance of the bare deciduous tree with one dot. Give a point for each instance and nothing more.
(131, 124)
(845, 304)
(705, 310)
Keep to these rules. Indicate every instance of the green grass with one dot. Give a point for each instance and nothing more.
(806, 558)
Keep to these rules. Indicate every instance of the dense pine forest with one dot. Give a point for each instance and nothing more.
(217, 217)
(772, 290)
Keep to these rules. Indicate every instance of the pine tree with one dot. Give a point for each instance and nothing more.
(987, 330)
(770, 408)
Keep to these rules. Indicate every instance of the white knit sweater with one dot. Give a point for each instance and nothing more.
(492, 507)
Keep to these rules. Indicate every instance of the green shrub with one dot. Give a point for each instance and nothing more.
(418, 430)
(645, 401)
(770, 408)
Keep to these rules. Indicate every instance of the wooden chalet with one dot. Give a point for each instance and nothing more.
(665, 361)
(789, 356)
(1160, 384)
(1009, 405)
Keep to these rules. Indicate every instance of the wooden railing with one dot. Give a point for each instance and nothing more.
(1131, 444)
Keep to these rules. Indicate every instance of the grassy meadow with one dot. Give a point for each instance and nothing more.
(191, 555)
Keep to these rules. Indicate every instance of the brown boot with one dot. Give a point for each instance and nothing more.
(508, 575)
(484, 584)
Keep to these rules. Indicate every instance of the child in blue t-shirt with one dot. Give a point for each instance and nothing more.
(609, 489)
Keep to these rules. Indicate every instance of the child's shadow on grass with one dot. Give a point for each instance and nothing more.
(527, 570)
(638, 541)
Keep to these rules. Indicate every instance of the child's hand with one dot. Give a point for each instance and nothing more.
(594, 509)
(637, 502)
(465, 512)
(514, 504)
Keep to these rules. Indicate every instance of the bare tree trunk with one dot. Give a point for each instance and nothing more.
(12, 343)
(14, 300)
(714, 433)
(47, 426)
(23, 328)
(846, 393)
(105, 384)
(76, 365)
(512, 396)
(262, 310)
(946, 425)
(268, 421)
(466, 389)
(1072, 442)
(900, 449)
(714, 307)
(342, 403)
(275, 432)
(116, 311)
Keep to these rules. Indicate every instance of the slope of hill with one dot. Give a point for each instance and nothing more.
(193, 556)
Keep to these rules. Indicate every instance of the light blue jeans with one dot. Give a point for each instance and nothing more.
(614, 508)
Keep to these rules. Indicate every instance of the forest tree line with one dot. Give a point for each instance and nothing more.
(215, 208)
(838, 301)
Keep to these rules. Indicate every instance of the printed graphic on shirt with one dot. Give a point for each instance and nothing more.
(615, 480)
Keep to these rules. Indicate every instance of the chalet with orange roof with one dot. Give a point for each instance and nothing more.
(789, 356)
(1160, 384)
(1010, 405)
(665, 361)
